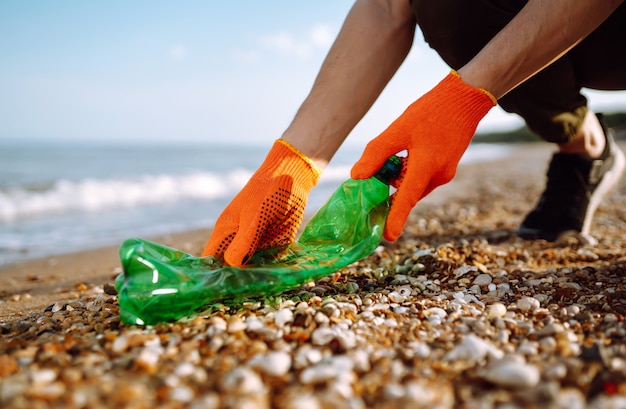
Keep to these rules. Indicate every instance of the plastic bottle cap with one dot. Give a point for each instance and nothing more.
(391, 169)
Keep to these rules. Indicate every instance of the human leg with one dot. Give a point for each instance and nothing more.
(550, 102)
(576, 185)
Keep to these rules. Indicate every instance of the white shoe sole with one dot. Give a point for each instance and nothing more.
(609, 180)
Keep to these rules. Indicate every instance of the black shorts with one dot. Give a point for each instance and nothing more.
(550, 102)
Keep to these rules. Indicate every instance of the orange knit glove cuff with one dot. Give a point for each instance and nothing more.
(269, 209)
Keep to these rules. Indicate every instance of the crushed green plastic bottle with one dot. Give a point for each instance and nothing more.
(163, 284)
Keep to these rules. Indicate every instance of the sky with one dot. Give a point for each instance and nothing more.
(189, 71)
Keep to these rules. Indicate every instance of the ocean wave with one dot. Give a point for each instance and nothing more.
(93, 195)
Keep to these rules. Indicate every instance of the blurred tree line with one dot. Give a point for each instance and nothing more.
(615, 120)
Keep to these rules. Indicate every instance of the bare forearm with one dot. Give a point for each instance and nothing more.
(539, 34)
(373, 42)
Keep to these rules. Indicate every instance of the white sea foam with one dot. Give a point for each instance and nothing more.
(92, 195)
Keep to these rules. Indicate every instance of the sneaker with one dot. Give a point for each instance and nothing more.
(576, 186)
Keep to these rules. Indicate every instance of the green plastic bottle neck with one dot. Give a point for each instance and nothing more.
(391, 169)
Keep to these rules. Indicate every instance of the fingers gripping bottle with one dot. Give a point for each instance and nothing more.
(161, 284)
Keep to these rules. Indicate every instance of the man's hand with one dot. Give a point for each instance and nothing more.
(435, 131)
(269, 209)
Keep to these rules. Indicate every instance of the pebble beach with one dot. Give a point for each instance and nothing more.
(457, 313)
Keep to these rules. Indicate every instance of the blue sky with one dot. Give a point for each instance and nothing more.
(185, 71)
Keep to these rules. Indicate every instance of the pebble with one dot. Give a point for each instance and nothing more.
(329, 369)
(236, 324)
(496, 310)
(474, 349)
(275, 363)
(306, 356)
(513, 373)
(528, 304)
(283, 317)
(482, 280)
(43, 376)
(243, 380)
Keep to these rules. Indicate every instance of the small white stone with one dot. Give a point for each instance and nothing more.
(475, 349)
(496, 310)
(461, 271)
(396, 297)
(43, 376)
(236, 325)
(318, 373)
(120, 344)
(322, 336)
(307, 355)
(528, 304)
(149, 356)
(482, 280)
(182, 394)
(475, 289)
(440, 312)
(275, 363)
(435, 320)
(503, 337)
(347, 339)
(555, 371)
(401, 310)
(550, 329)
(416, 349)
(283, 317)
(548, 345)
(380, 307)
(218, 323)
(243, 380)
(321, 318)
(512, 373)
(253, 323)
(573, 310)
(338, 367)
(184, 369)
(393, 391)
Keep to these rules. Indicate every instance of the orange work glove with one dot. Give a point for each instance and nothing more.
(435, 131)
(269, 209)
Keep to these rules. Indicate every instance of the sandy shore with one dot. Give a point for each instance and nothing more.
(461, 297)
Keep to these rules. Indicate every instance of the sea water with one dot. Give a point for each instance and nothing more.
(58, 197)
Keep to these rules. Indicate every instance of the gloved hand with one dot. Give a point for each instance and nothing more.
(269, 209)
(435, 131)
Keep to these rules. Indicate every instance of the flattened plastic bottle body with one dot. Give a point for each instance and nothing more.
(161, 284)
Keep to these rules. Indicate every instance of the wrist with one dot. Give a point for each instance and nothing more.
(491, 97)
(482, 81)
(310, 147)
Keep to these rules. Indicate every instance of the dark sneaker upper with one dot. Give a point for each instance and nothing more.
(575, 187)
